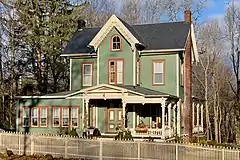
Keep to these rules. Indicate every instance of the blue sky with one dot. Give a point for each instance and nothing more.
(215, 9)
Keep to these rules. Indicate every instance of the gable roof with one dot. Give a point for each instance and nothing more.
(154, 37)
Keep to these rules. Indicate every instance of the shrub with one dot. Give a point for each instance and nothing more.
(73, 132)
(96, 133)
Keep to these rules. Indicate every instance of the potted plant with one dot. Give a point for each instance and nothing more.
(141, 128)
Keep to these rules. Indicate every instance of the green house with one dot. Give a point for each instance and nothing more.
(121, 74)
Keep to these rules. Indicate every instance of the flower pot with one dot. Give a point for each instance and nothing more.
(141, 130)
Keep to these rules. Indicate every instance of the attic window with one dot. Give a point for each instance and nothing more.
(116, 43)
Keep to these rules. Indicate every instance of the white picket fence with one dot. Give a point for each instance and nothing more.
(70, 147)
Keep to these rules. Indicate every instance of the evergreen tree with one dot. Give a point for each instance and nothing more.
(46, 26)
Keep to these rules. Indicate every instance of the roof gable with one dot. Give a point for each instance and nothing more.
(114, 21)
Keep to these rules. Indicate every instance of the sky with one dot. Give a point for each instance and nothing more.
(215, 9)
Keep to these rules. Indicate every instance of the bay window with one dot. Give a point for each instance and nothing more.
(65, 117)
(34, 116)
(26, 117)
(56, 117)
(43, 117)
(74, 117)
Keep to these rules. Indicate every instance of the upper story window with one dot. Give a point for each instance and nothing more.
(158, 72)
(87, 75)
(116, 43)
(115, 72)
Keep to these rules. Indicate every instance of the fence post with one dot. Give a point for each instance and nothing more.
(32, 144)
(223, 154)
(19, 144)
(100, 150)
(176, 151)
(237, 155)
(139, 150)
(66, 146)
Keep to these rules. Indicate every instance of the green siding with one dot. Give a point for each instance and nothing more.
(76, 72)
(106, 54)
(47, 103)
(170, 86)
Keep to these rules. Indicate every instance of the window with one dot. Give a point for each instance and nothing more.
(43, 117)
(158, 72)
(116, 43)
(34, 117)
(56, 117)
(87, 74)
(116, 71)
(138, 71)
(65, 117)
(182, 75)
(26, 117)
(74, 117)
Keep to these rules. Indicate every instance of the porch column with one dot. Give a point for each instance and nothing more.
(163, 104)
(94, 116)
(174, 119)
(169, 120)
(179, 118)
(197, 115)
(124, 113)
(134, 117)
(86, 117)
(193, 114)
(202, 116)
(169, 115)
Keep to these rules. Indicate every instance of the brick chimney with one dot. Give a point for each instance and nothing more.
(188, 16)
(188, 80)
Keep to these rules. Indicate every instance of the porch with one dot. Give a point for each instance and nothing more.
(108, 106)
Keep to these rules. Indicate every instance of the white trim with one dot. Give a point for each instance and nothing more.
(70, 74)
(161, 51)
(194, 44)
(78, 55)
(96, 108)
(134, 66)
(50, 97)
(113, 22)
(178, 77)
(98, 66)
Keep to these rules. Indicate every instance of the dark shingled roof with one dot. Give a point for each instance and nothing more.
(145, 91)
(172, 35)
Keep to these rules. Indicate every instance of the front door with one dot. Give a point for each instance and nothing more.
(114, 118)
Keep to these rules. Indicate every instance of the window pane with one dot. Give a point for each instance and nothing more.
(74, 112)
(43, 122)
(26, 112)
(43, 112)
(74, 122)
(87, 80)
(158, 78)
(158, 67)
(87, 69)
(65, 117)
(26, 122)
(56, 117)
(34, 112)
(111, 115)
(119, 72)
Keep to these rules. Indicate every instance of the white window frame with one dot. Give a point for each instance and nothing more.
(83, 74)
(160, 72)
(26, 111)
(65, 117)
(116, 49)
(74, 116)
(34, 117)
(43, 117)
(118, 73)
(56, 117)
